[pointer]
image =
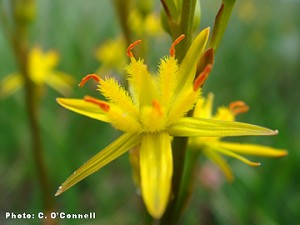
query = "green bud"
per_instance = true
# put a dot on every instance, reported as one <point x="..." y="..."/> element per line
<point x="24" y="11"/>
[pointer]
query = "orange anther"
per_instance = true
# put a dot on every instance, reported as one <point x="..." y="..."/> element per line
<point x="102" y="104"/>
<point x="87" y="77"/>
<point x="131" y="46"/>
<point x="238" y="107"/>
<point x="201" y="78"/>
<point x="156" y="105"/>
<point x="176" y="42"/>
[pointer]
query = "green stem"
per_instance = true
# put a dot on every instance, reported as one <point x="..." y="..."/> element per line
<point x="187" y="184"/>
<point x="186" y="28"/>
<point x="221" y="23"/>
<point x="19" y="42"/>
<point x="123" y="9"/>
<point x="179" y="144"/>
<point x="32" y="111"/>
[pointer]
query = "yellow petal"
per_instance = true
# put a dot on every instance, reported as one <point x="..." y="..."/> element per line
<point x="191" y="127"/>
<point x="41" y="64"/>
<point x="84" y="108"/>
<point x="10" y="84"/>
<point x="250" y="149"/>
<point x="122" y="120"/>
<point x="168" y="79"/>
<point x="156" y="172"/>
<point x="148" y="115"/>
<point x="224" y="113"/>
<point x="115" y="94"/>
<point x="182" y="104"/>
<point x="221" y="163"/>
<point x="111" y="55"/>
<point x="234" y="155"/>
<point x="141" y="83"/>
<point x="187" y="68"/>
<point x="203" y="108"/>
<point x="108" y="154"/>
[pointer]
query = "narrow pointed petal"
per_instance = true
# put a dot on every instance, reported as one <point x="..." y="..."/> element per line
<point x="156" y="172"/>
<point x="84" y="108"/>
<point x="220" y="162"/>
<point x="249" y="149"/>
<point x="183" y="103"/>
<point x="187" y="69"/>
<point x="108" y="154"/>
<point x="186" y="126"/>
<point x="236" y="156"/>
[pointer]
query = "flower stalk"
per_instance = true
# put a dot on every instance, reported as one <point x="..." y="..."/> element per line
<point x="182" y="187"/>
<point x="122" y="9"/>
<point x="23" y="13"/>
<point x="179" y="144"/>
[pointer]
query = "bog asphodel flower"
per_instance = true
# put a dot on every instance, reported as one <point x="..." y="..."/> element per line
<point x="213" y="147"/>
<point x="41" y="70"/>
<point x="110" y="56"/>
<point x="149" y="114"/>
<point x="148" y="25"/>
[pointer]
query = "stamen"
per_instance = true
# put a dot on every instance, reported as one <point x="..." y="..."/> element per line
<point x="87" y="77"/>
<point x="131" y="46"/>
<point x="201" y="78"/>
<point x="102" y="104"/>
<point x="156" y="105"/>
<point x="176" y="42"/>
<point x="238" y="107"/>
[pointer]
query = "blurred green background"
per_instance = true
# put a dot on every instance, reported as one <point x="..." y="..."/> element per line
<point x="258" y="62"/>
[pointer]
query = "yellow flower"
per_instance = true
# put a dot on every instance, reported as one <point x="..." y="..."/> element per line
<point x="149" y="114"/>
<point x="148" y="25"/>
<point x="110" y="56"/>
<point x="212" y="147"/>
<point x="41" y="70"/>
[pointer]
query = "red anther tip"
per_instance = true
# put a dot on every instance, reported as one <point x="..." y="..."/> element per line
<point x="103" y="105"/>
<point x="200" y="80"/>
<point x="131" y="46"/>
<point x="87" y="77"/>
<point x="156" y="105"/>
<point x="176" y="42"/>
<point x="238" y="107"/>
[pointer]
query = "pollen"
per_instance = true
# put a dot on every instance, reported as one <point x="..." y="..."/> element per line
<point x="131" y="46"/>
<point x="176" y="42"/>
<point x="88" y="77"/>
<point x="103" y="105"/>
<point x="238" y="107"/>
